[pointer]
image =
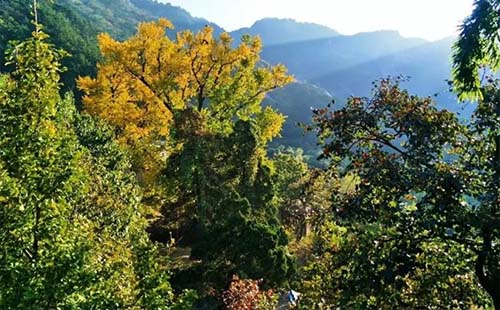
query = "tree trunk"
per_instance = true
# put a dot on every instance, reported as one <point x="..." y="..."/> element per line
<point x="496" y="302"/>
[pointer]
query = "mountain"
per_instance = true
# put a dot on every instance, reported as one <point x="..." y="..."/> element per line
<point x="315" y="58"/>
<point x="181" y="18"/>
<point x="342" y="66"/>
<point x="346" y="66"/>
<point x="68" y="28"/>
<point x="428" y="67"/>
<point x="120" y="17"/>
<point x="116" y="17"/>
<point x="275" y="31"/>
<point x="296" y="101"/>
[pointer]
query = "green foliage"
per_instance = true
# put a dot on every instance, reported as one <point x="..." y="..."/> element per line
<point x="416" y="194"/>
<point x="477" y="46"/>
<point x="302" y="194"/>
<point x="406" y="217"/>
<point x="68" y="30"/>
<point x="233" y="200"/>
<point x="74" y="235"/>
<point x="291" y="179"/>
<point x="186" y="301"/>
<point x="290" y="169"/>
<point x="45" y="252"/>
<point x="114" y="205"/>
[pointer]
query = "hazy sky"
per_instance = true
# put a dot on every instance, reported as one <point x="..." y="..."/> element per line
<point x="429" y="19"/>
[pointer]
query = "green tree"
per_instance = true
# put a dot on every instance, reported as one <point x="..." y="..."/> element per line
<point x="420" y="229"/>
<point x="113" y="203"/>
<point x="233" y="198"/>
<point x="302" y="193"/>
<point x="476" y="47"/>
<point x="72" y="227"/>
<point x="38" y="160"/>
<point x="290" y="168"/>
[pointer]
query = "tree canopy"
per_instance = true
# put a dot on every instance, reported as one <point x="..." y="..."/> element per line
<point x="149" y="84"/>
<point x="425" y="193"/>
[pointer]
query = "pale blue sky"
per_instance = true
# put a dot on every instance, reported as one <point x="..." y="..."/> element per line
<point x="429" y="19"/>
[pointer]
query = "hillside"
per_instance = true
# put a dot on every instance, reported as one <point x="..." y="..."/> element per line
<point x="119" y="17"/>
<point x="296" y="102"/>
<point x="69" y="29"/>
<point x="181" y="18"/>
<point x="346" y="66"/>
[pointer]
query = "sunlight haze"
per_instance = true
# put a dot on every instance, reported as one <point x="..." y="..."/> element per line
<point x="428" y="19"/>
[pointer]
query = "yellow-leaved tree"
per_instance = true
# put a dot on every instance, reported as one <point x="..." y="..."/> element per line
<point x="158" y="92"/>
<point x="191" y="111"/>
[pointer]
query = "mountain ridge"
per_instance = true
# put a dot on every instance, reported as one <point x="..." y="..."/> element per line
<point x="309" y="59"/>
<point x="436" y="52"/>
<point x="275" y="31"/>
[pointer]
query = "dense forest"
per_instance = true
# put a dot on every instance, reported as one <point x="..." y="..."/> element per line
<point x="141" y="166"/>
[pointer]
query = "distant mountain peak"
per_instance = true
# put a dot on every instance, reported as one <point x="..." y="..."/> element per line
<point x="285" y="30"/>
<point x="387" y="34"/>
<point x="276" y="21"/>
